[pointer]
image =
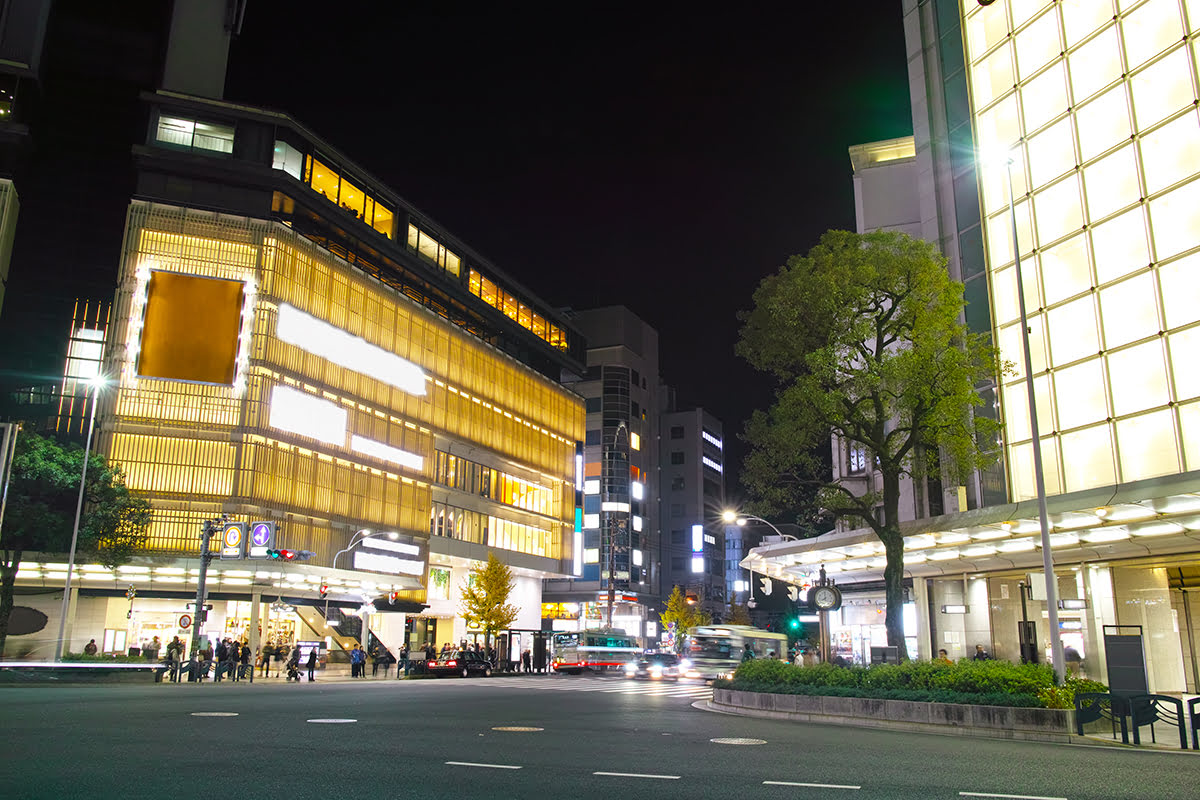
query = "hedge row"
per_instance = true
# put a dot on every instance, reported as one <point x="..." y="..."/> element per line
<point x="971" y="682"/>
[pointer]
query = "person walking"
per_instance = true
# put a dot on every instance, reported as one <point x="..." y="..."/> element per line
<point x="246" y="670"/>
<point x="402" y="665"/>
<point x="311" y="664"/>
<point x="222" y="654"/>
<point x="981" y="654"/>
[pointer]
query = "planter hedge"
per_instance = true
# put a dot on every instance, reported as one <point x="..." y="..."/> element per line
<point x="993" y="683"/>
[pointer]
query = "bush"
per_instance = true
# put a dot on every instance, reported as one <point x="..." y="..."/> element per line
<point x="1064" y="696"/>
<point x="106" y="659"/>
<point x="976" y="682"/>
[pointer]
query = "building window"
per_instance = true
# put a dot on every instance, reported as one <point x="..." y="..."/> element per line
<point x="677" y="457"/>
<point x="676" y="431"/>
<point x="495" y="296"/>
<point x="856" y="458"/>
<point x="678" y="484"/>
<point x="677" y="563"/>
<point x="195" y="134"/>
<point x="594" y="405"/>
<point x="337" y="189"/>
<point x="592" y="437"/>
<point x="677" y="537"/>
<point x="288" y="159"/>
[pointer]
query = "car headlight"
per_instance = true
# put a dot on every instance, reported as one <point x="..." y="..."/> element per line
<point x="631" y="667"/>
<point x="656" y="671"/>
<point x="685" y="664"/>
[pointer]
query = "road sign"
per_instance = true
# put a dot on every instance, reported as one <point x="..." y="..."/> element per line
<point x="262" y="538"/>
<point x="233" y="540"/>
<point x="185" y="621"/>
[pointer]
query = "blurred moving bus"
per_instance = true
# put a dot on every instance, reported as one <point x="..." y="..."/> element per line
<point x="599" y="649"/>
<point x="715" y="650"/>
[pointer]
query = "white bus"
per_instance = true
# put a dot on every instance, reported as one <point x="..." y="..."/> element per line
<point x="715" y="650"/>
<point x="599" y="649"/>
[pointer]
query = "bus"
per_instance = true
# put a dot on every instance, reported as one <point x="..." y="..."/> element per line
<point x="716" y="650"/>
<point x="599" y="649"/>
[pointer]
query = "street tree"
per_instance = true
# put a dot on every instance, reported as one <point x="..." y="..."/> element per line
<point x="739" y="614"/>
<point x="40" y="514"/>
<point x="485" y="598"/>
<point x="865" y="340"/>
<point x="683" y="614"/>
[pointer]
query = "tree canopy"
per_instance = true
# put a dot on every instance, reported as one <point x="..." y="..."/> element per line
<point x="485" y="597"/>
<point x="684" y="616"/>
<point x="865" y="339"/>
<point x="40" y="514"/>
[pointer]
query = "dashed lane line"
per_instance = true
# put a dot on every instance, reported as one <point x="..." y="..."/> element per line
<point x="484" y="766"/>
<point x="1009" y="796"/>
<point x="812" y="785"/>
<point x="638" y="775"/>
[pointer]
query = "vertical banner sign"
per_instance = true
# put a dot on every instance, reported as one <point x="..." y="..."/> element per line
<point x="233" y="540"/>
<point x="262" y="538"/>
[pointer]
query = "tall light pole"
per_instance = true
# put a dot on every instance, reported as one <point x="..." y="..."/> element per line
<point x="355" y="540"/>
<point x="94" y="384"/>
<point x="1056" y="649"/>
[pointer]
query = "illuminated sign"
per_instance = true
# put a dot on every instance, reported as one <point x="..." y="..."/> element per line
<point x="233" y="540"/>
<point x="405" y="555"/>
<point x="262" y="538"/>
<point x="370" y="447"/>
<point x="299" y="412"/>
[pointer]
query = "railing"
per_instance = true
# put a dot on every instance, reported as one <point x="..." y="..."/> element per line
<point x="1136" y="711"/>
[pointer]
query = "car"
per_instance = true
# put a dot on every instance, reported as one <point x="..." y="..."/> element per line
<point x="464" y="663"/>
<point x="657" y="667"/>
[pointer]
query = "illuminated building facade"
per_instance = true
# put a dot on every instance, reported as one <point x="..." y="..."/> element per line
<point x="1094" y="103"/>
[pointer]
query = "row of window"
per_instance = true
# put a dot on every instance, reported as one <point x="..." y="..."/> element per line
<point x="195" y="134"/>
<point x="342" y="192"/>
<point x="505" y="301"/>
<point x="472" y="526"/>
<point x="468" y="476"/>
<point x="432" y="250"/>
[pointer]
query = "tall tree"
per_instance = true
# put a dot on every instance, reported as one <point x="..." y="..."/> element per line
<point x="40" y="515"/>
<point x="683" y="614"/>
<point x="865" y="339"/>
<point x="485" y="598"/>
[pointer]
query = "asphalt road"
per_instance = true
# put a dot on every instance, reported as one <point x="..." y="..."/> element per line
<point x="598" y="738"/>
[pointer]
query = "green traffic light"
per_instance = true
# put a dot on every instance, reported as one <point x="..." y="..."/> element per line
<point x="794" y="624"/>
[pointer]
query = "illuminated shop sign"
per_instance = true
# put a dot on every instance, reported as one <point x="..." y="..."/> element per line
<point x="405" y="555"/>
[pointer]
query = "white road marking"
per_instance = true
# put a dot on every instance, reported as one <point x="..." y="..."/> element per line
<point x="485" y="766"/>
<point x="332" y="721"/>
<point x="214" y="713"/>
<point x="811" y="785"/>
<point x="638" y="775"/>
<point x="1009" y="796"/>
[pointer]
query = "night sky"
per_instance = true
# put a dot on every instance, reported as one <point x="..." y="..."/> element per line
<point x="660" y="157"/>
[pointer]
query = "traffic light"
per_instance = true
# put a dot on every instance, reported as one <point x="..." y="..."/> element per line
<point x="324" y="590"/>
<point x="290" y="555"/>
<point x="794" y="624"/>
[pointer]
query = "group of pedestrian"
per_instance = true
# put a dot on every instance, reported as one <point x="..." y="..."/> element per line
<point x="358" y="662"/>
<point x="233" y="659"/>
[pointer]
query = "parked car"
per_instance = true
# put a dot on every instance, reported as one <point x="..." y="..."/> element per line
<point x="657" y="667"/>
<point x="459" y="662"/>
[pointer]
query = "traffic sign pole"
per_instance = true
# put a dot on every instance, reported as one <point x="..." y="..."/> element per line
<point x="207" y="531"/>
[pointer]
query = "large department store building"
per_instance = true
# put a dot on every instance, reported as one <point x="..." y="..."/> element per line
<point x="290" y="341"/>
<point x="1096" y="104"/>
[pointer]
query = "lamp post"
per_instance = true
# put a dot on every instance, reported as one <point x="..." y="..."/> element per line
<point x="95" y="384"/>
<point x="1056" y="649"/>
<point x="365" y="534"/>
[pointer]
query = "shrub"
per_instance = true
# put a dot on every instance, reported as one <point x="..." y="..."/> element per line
<point x="1064" y="696"/>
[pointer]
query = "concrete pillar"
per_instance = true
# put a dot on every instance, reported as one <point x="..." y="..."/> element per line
<point x="255" y="606"/>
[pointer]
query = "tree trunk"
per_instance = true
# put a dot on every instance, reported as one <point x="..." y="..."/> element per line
<point x="893" y="581"/>
<point x="8" y="579"/>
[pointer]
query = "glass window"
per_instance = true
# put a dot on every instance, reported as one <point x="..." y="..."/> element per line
<point x="1011" y="349"/>
<point x="1021" y="467"/>
<point x="539" y="326"/>
<point x="1015" y="397"/>
<point x="1051" y="153"/>
<point x="414" y="236"/>
<point x="999" y="234"/>
<point x="1162" y="89"/>
<point x="1119" y="246"/>
<point x="452" y="263"/>
<point x="677" y="457"/>
<point x="1150" y="29"/>
<point x="1183" y="346"/>
<point x="1171" y="153"/>
<point x="1004" y="287"/>
<point x="474" y="282"/>
<point x="1000" y="129"/>
<point x="1080" y="20"/>
<point x="1175" y="220"/>
<point x="1045" y="97"/>
<point x="1073" y="331"/>
<point x="1038" y="44"/>
<point x="324" y="180"/>
<point x="1095" y="65"/>
<point x="175" y="130"/>
<point x="211" y="136"/>
<point x="1139" y="378"/>
<point x="1112" y="183"/>
<point x="1059" y="211"/>
<point x="985" y="28"/>
<point x="1180" y="292"/>
<point x="384" y="219"/>
<point x="676" y="431"/>
<point x="1104" y="122"/>
<point x="1189" y="423"/>
<point x="1147" y="446"/>
<point x="1129" y="311"/>
<point x="488" y="292"/>
<point x="993" y="77"/>
<point x="1079" y="394"/>
<point x="352" y="198"/>
<point x="524" y="316"/>
<point x="1088" y="458"/>
<point x="427" y="247"/>
<point x="288" y="159"/>
<point x="1065" y="270"/>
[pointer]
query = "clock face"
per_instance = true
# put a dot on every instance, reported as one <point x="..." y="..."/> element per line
<point x="825" y="597"/>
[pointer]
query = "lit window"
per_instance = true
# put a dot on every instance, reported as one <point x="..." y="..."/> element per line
<point x="711" y="439"/>
<point x="1162" y="89"/>
<point x="1171" y="153"/>
<point x="985" y="28"/>
<point x="637" y="523"/>
<point x="637" y="558"/>
<point x="697" y="538"/>
<point x="993" y="77"/>
<point x="1088" y="458"/>
<point x="1059" y="211"/>
<point x="1073" y="331"/>
<point x="635" y="441"/>
<point x="197" y="135"/>
<point x="698" y="564"/>
<point x="1038" y="44"/>
<point x="591" y="486"/>
<point x="613" y="505"/>
<point x="1175" y="220"/>
<point x="1065" y="271"/>
<point x="1139" y="378"/>
<point x="591" y="521"/>
<point x="1150" y="29"/>
<point x="1103" y="122"/>
<point x="1181" y="293"/>
<point x="1147" y="446"/>
<point x="710" y="463"/>
<point x="638" y="490"/>
<point x="1095" y="65"/>
<point x="591" y="555"/>
<point x="1081" y="20"/>
<point x="1129" y="311"/>
<point x="1112" y="183"/>
<point x="288" y="159"/>
<point x="1051" y="153"/>
<point x="1045" y="97"/>
<point x="1079" y="394"/>
<point x="1119" y="246"/>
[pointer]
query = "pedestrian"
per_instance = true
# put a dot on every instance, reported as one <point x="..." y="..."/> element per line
<point x="235" y="656"/>
<point x="981" y="654"/>
<point x="267" y="651"/>
<point x="402" y="665"/>
<point x="222" y="654"/>
<point x="150" y="651"/>
<point x="526" y="662"/>
<point x="90" y="648"/>
<point x="375" y="656"/>
<point x="311" y="663"/>
<point x="246" y="669"/>
<point x="747" y="653"/>
<point x="943" y="658"/>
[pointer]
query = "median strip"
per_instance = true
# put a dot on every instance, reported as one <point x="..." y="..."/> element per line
<point x="484" y="766"/>
<point x="1009" y="796"/>
<point x="638" y="775"/>
<point x="811" y="785"/>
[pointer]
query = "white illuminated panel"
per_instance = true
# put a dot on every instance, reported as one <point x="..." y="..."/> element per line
<point x="697" y="538"/>
<point x="377" y="562"/>
<point x="637" y="558"/>
<point x="698" y="564"/>
<point x="591" y="486"/>
<point x="591" y="555"/>
<point x="578" y="471"/>
<point x="708" y="437"/>
<point x="638" y="490"/>
<point x="578" y="551"/>
<point x="613" y="505"/>
<point x="395" y="455"/>
<point x="299" y="412"/>
<point x="637" y="523"/>
<point x="635" y="441"/>
<point x="346" y="350"/>
<point x="591" y="521"/>
<point x="395" y="547"/>
<point x="708" y="462"/>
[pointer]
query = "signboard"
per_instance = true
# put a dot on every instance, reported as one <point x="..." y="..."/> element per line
<point x="233" y="540"/>
<point x="404" y="555"/>
<point x="185" y="621"/>
<point x="262" y="538"/>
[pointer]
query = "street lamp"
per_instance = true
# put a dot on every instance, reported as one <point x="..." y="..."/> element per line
<point x="95" y="384"/>
<point x="359" y="537"/>
<point x="1056" y="649"/>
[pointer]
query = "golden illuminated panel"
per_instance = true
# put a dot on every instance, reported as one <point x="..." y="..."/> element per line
<point x="478" y="528"/>
<point x="510" y="306"/>
<point x="191" y="328"/>
<point x="1096" y="103"/>
<point x="163" y="465"/>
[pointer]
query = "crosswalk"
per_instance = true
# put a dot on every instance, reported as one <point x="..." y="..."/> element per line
<point x="611" y="685"/>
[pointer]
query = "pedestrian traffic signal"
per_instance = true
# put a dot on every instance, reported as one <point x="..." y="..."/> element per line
<point x="794" y="623"/>
<point x="324" y="589"/>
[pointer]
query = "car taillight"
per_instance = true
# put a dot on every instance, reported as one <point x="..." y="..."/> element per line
<point x="431" y="664"/>
<point x="451" y="663"/>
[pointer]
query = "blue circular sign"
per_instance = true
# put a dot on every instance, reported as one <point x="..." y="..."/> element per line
<point x="261" y="534"/>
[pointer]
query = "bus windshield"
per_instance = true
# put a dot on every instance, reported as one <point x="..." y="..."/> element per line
<point x="711" y="647"/>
